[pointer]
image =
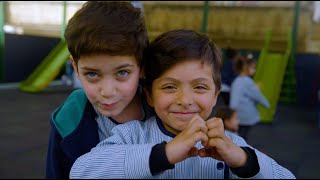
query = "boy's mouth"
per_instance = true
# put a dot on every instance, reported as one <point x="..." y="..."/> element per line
<point x="109" y="106"/>
<point x="184" y="114"/>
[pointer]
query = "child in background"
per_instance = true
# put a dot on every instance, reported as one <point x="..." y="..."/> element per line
<point x="182" y="84"/>
<point x="228" y="73"/>
<point x="245" y="96"/>
<point x="229" y="118"/>
<point x="106" y="41"/>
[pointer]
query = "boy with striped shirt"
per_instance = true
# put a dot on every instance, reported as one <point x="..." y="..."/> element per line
<point x="182" y="84"/>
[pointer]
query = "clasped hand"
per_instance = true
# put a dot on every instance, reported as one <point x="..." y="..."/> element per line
<point x="212" y="136"/>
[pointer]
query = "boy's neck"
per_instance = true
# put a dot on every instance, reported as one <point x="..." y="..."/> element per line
<point x="133" y="111"/>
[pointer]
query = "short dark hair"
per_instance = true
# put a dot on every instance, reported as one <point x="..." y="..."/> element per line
<point x="107" y="27"/>
<point x="225" y="112"/>
<point x="175" y="46"/>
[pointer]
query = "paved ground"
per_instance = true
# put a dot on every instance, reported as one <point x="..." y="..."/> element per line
<point x="293" y="138"/>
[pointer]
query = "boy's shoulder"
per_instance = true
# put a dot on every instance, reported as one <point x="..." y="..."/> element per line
<point x="136" y="125"/>
<point x="69" y="114"/>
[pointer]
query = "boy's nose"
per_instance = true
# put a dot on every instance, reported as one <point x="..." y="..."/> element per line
<point x="184" y="98"/>
<point x="108" y="89"/>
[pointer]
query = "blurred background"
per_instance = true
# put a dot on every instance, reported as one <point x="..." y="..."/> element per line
<point x="284" y="36"/>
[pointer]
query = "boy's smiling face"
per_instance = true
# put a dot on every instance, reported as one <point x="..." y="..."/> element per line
<point x="110" y="82"/>
<point x="185" y="90"/>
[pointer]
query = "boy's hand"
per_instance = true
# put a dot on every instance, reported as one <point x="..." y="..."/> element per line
<point x="182" y="146"/>
<point x="221" y="147"/>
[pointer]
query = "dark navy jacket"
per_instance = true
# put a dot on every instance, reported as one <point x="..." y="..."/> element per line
<point x="74" y="132"/>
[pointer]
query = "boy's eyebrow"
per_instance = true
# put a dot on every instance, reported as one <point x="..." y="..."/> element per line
<point x="95" y="69"/>
<point x="125" y="65"/>
<point x="173" y="79"/>
<point x="88" y="69"/>
<point x="201" y="79"/>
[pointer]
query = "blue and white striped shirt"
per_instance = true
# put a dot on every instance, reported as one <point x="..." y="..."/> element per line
<point x="125" y="154"/>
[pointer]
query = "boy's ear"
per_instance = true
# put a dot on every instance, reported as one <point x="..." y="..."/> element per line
<point x="216" y="98"/>
<point x="149" y="97"/>
<point x="74" y="65"/>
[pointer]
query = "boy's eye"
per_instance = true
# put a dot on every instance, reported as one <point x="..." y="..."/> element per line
<point x="168" y="87"/>
<point x="200" y="87"/>
<point x="91" y="74"/>
<point x="123" y="73"/>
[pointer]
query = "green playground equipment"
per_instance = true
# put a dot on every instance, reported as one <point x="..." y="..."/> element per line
<point x="51" y="66"/>
<point x="271" y="69"/>
<point x="48" y="69"/>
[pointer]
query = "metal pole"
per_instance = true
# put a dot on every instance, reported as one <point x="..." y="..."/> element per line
<point x="295" y="27"/>
<point x="63" y="25"/>
<point x="2" y="39"/>
<point x="205" y="16"/>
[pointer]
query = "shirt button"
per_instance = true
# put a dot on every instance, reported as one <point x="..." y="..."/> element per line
<point x="220" y="165"/>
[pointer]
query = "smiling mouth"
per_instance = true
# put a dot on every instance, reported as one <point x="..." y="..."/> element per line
<point x="184" y="114"/>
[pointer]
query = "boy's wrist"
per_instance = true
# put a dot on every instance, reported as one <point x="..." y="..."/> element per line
<point x="251" y="166"/>
<point x="158" y="161"/>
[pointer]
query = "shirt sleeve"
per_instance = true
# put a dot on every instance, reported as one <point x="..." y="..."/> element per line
<point x="256" y="94"/>
<point x="117" y="157"/>
<point x="251" y="167"/>
<point x="159" y="160"/>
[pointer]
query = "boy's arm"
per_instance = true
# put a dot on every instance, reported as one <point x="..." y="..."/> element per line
<point x="119" y="156"/>
<point x="64" y="120"/>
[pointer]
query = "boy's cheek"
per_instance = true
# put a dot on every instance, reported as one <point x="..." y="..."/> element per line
<point x="90" y="91"/>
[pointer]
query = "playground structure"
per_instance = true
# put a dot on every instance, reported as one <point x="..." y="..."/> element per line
<point x="47" y="71"/>
<point x="272" y="69"/>
<point x="270" y="75"/>
<point x="51" y="66"/>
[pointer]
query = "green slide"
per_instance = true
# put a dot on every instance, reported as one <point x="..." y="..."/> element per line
<point x="271" y="69"/>
<point x="48" y="69"/>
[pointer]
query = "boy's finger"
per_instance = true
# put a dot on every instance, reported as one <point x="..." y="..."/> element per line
<point x="214" y="123"/>
<point x="215" y="133"/>
<point x="203" y="153"/>
<point x="200" y="136"/>
<point x="215" y="142"/>
<point x="193" y="152"/>
<point x="209" y="152"/>
<point x="198" y="124"/>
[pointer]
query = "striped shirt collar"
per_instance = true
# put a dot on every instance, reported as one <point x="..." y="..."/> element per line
<point x="163" y="129"/>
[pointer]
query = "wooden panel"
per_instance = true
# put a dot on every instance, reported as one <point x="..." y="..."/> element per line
<point x="239" y="27"/>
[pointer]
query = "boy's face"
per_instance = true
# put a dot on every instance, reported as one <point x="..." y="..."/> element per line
<point x="181" y="92"/>
<point x="110" y="82"/>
